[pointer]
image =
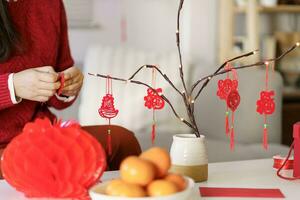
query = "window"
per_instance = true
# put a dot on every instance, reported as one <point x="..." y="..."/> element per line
<point x="79" y="12"/>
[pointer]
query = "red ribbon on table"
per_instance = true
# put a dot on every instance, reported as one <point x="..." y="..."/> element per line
<point x="62" y="83"/>
<point x="279" y="162"/>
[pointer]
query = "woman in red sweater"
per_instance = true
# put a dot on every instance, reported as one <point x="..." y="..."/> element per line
<point x="34" y="49"/>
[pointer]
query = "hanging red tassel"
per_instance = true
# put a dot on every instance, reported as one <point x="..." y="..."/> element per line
<point x="228" y="91"/>
<point x="227" y="123"/>
<point x="109" y="144"/>
<point x="154" y="101"/>
<point x="265" y="137"/>
<point x="225" y="88"/>
<point x="232" y="133"/>
<point x="153" y="135"/>
<point x="232" y="139"/>
<point x="266" y="106"/>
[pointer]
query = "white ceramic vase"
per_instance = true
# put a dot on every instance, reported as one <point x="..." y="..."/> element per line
<point x="189" y="156"/>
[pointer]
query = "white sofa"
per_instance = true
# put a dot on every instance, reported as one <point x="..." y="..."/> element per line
<point x="210" y="111"/>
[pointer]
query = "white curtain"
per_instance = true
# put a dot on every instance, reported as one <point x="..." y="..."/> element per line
<point x="79" y="12"/>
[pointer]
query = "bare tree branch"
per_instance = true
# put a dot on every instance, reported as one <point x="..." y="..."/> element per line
<point x="222" y="66"/>
<point x="148" y="86"/>
<point x="179" y="48"/>
<point x="260" y="63"/>
<point x="187" y="95"/>
<point x="160" y="72"/>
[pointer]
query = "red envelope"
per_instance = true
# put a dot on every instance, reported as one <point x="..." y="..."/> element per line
<point x="240" y="192"/>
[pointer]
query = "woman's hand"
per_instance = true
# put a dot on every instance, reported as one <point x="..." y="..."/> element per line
<point x="73" y="81"/>
<point x="37" y="84"/>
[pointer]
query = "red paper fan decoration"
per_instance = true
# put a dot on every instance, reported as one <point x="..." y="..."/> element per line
<point x="50" y="161"/>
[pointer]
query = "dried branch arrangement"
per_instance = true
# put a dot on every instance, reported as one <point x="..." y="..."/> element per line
<point x="190" y="95"/>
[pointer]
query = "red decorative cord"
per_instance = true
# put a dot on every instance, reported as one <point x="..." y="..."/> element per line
<point x="285" y="163"/>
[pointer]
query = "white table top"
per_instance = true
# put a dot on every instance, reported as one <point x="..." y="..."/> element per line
<point x="242" y="174"/>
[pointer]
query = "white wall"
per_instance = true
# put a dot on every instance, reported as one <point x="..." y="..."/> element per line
<point x="152" y="26"/>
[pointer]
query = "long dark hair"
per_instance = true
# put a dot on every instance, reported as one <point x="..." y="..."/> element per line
<point x="9" y="37"/>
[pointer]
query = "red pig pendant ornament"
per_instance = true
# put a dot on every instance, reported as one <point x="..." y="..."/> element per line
<point x="108" y="111"/>
<point x="53" y="161"/>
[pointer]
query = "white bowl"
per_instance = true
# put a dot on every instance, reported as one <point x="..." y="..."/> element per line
<point x="183" y="195"/>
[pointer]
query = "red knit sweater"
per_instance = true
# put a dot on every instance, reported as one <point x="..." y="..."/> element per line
<point x="43" y="29"/>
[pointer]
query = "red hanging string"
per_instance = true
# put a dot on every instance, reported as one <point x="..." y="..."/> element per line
<point x="123" y="29"/>
<point x="284" y="164"/>
<point x="62" y="83"/>
<point x="107" y="110"/>
<point x="109" y="142"/>
<point x="265" y="139"/>
<point x="232" y="133"/>
<point x="227" y="122"/>
<point x="227" y="129"/>
<point x="123" y="23"/>
<point x="153" y="133"/>
<point x="267" y="75"/>
<point x="265" y="134"/>
<point x="228" y="67"/>
<point x="234" y="74"/>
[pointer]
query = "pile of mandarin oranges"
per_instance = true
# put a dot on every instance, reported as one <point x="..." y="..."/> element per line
<point x="146" y="175"/>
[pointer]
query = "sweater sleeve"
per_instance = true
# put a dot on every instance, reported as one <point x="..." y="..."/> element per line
<point x="64" y="58"/>
<point x="5" y="100"/>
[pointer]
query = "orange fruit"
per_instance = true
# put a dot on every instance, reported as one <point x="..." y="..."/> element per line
<point x="161" y="188"/>
<point x="160" y="158"/>
<point x="122" y="189"/>
<point x="137" y="171"/>
<point x="178" y="180"/>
